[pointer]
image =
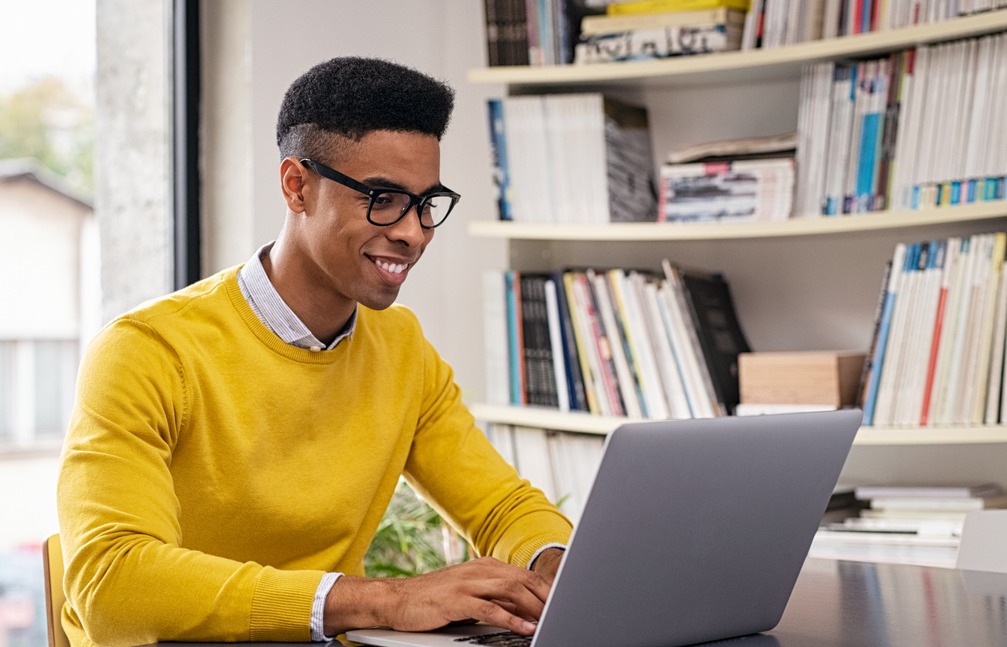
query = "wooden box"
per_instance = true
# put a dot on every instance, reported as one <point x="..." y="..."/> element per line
<point x="825" y="378"/>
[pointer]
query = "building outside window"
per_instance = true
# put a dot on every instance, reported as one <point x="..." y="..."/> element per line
<point x="49" y="295"/>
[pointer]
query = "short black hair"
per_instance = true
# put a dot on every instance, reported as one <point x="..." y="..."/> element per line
<point x="353" y="96"/>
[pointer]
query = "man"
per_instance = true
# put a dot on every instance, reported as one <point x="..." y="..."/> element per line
<point x="235" y="444"/>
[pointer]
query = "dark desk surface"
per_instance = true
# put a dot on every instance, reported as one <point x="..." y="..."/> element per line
<point x="851" y="604"/>
<point x="847" y="604"/>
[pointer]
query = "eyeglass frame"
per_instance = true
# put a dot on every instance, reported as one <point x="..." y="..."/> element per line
<point x="418" y="201"/>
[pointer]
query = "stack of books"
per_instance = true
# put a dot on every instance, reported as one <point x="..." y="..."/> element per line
<point x="581" y="158"/>
<point x="749" y="178"/>
<point x="937" y="358"/>
<point x="648" y="30"/>
<point x="614" y="342"/>
<point x="741" y="190"/>
<point x="922" y="510"/>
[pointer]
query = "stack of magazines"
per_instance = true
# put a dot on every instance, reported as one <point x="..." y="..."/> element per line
<point x="736" y="180"/>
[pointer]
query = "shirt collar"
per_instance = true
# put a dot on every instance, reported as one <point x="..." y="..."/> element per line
<point x="275" y="314"/>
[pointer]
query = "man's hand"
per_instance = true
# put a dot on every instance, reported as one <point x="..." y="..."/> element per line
<point x="484" y="589"/>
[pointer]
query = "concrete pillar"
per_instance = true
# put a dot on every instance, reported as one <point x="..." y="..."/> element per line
<point x="133" y="200"/>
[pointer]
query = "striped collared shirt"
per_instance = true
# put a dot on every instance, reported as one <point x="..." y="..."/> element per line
<point x="268" y="306"/>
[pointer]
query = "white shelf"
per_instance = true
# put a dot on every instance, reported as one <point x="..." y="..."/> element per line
<point x="741" y="66"/>
<point x="868" y="436"/>
<point x="640" y="231"/>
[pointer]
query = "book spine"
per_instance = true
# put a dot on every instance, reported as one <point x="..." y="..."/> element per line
<point x="879" y="307"/>
<point x="498" y="151"/>
<point x="575" y="381"/>
<point x="881" y="348"/>
<point x="515" y="343"/>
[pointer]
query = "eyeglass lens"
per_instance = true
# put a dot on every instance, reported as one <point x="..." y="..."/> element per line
<point x="388" y="207"/>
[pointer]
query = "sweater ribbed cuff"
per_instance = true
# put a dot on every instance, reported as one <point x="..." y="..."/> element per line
<point x="281" y="605"/>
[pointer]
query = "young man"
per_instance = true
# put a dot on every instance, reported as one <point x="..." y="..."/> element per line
<point x="235" y="444"/>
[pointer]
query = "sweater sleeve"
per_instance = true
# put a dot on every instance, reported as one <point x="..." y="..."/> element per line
<point x="455" y="468"/>
<point x="128" y="578"/>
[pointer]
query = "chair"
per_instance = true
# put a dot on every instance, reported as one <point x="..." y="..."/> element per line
<point x="52" y="565"/>
<point x="983" y="545"/>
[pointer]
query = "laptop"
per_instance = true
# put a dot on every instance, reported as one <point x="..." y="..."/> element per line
<point x="693" y="531"/>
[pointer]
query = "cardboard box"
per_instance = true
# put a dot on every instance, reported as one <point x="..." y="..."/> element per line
<point x="824" y="378"/>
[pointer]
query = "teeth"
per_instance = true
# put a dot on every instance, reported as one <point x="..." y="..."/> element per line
<point x="394" y="268"/>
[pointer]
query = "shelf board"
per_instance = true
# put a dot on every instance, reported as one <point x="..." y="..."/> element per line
<point x="742" y="66"/>
<point x="868" y="436"/>
<point x="641" y="231"/>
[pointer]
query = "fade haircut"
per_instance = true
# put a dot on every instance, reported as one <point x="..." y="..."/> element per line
<point x="353" y="96"/>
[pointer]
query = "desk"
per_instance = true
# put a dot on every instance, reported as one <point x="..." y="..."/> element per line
<point x="863" y="604"/>
<point x="848" y="604"/>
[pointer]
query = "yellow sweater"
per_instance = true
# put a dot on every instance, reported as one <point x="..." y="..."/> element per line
<point x="212" y="473"/>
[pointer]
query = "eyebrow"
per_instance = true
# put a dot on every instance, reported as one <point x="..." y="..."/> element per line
<point x="386" y="183"/>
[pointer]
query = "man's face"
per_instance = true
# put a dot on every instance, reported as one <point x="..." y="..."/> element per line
<point x="348" y="257"/>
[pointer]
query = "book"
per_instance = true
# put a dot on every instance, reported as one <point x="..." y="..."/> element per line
<point x="590" y="369"/>
<point x="736" y="148"/>
<point x="939" y="503"/>
<point x="539" y="375"/>
<point x="936" y="337"/>
<point x="495" y="337"/>
<point x="557" y="345"/>
<point x="883" y="331"/>
<point x="506" y="24"/>
<point x="515" y="343"/>
<point x="575" y="381"/>
<point x="498" y="153"/>
<point x="960" y="490"/>
<point x="660" y="6"/>
<point x="867" y="369"/>
<point x="918" y="526"/>
<point x="654" y="43"/>
<point x="614" y="23"/>
<point x="721" y="339"/>
<point x="996" y="373"/>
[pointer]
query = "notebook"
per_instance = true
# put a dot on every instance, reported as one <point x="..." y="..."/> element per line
<point x="694" y="530"/>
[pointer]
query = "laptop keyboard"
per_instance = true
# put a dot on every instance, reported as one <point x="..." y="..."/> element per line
<point x="499" y="639"/>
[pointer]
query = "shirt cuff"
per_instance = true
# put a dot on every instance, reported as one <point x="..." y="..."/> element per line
<point x="531" y="562"/>
<point x="318" y="607"/>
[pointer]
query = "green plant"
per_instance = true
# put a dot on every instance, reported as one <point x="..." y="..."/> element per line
<point x="412" y="539"/>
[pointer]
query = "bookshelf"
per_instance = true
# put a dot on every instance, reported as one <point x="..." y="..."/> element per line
<point x="731" y="67"/>
<point x="799" y="284"/>
<point x="903" y="221"/>
<point x="584" y="423"/>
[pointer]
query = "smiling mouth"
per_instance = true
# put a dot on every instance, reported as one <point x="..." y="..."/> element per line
<point x="392" y="268"/>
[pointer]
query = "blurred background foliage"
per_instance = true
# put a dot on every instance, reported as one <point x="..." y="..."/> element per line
<point x="412" y="539"/>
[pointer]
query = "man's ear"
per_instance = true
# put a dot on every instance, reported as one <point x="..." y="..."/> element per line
<point x="292" y="178"/>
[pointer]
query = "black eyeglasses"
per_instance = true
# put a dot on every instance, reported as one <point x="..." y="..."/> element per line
<point x="388" y="206"/>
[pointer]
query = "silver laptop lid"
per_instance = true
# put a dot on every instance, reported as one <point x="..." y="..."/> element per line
<point x="696" y="530"/>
